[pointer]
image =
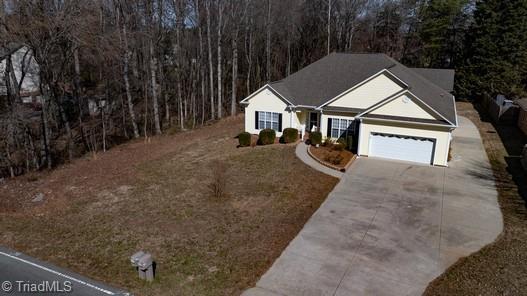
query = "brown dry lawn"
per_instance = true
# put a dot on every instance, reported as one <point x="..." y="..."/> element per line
<point x="155" y="196"/>
<point x="501" y="267"/>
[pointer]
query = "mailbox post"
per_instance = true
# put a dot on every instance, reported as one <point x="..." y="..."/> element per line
<point x="144" y="264"/>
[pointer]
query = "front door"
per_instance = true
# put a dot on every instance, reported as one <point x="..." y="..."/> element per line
<point x="313" y="121"/>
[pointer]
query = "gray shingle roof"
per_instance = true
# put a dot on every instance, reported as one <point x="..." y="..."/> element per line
<point x="522" y="103"/>
<point x="8" y="49"/>
<point x="330" y="76"/>
<point x="434" y="96"/>
<point x="443" y="78"/>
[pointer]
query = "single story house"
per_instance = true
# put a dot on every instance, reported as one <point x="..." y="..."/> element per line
<point x="389" y="110"/>
<point x="26" y="72"/>
<point x="522" y="117"/>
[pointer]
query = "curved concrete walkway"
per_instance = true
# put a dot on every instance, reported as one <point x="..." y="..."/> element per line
<point x="389" y="228"/>
<point x="301" y="152"/>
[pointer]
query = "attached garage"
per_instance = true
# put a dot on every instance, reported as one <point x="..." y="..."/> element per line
<point x="401" y="147"/>
<point x="404" y="141"/>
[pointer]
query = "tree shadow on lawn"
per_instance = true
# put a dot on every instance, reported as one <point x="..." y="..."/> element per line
<point x="513" y="140"/>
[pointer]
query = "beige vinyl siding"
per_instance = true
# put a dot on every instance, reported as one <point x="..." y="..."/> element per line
<point x="267" y="101"/>
<point x="300" y="119"/>
<point x="404" y="106"/>
<point x="442" y="136"/>
<point x="368" y="94"/>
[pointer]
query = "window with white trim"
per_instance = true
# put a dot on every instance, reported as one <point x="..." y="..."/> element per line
<point x="268" y="120"/>
<point x="339" y="127"/>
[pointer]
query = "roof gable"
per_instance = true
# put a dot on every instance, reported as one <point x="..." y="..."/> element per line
<point x="330" y="76"/>
<point x="405" y="105"/>
<point x="430" y="94"/>
<point x="268" y="88"/>
<point x="372" y="91"/>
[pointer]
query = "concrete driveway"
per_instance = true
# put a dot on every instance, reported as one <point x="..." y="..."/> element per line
<point x="389" y="228"/>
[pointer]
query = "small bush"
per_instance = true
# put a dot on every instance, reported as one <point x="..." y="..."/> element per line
<point x="266" y="136"/>
<point x="244" y="138"/>
<point x="315" y="138"/>
<point x="334" y="158"/>
<point x="328" y="143"/>
<point x="343" y="142"/>
<point x="218" y="184"/>
<point x="289" y="135"/>
<point x="338" y="147"/>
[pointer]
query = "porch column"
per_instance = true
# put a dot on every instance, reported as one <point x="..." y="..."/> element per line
<point x="292" y="112"/>
<point x="359" y="137"/>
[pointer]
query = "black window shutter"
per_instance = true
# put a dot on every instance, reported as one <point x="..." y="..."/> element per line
<point x="255" y="119"/>
<point x="279" y="122"/>
<point x="329" y="127"/>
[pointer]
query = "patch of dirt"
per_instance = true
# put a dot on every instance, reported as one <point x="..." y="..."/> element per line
<point x="155" y="196"/>
<point x="499" y="268"/>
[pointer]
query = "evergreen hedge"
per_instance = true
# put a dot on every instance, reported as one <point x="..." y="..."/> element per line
<point x="244" y="138"/>
<point x="266" y="136"/>
<point x="289" y="135"/>
<point x="315" y="138"/>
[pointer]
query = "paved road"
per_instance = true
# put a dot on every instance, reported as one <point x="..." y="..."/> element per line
<point x="21" y="275"/>
<point x="389" y="228"/>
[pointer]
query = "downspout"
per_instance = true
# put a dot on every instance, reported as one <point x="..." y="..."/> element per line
<point x="448" y="148"/>
<point x="360" y="132"/>
<point x="320" y="129"/>
<point x="291" y="112"/>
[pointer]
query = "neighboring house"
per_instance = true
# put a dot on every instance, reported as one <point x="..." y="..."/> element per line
<point x="96" y="104"/>
<point x="522" y="117"/>
<point x="501" y="109"/>
<point x="390" y="111"/>
<point x="26" y="72"/>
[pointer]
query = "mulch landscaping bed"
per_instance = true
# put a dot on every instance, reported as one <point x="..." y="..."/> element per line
<point x="328" y="155"/>
<point x="499" y="268"/>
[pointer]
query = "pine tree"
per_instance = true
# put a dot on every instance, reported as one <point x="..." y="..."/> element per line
<point x="496" y="55"/>
<point x="443" y="24"/>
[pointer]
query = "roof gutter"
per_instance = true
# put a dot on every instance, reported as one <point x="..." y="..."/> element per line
<point x="451" y="127"/>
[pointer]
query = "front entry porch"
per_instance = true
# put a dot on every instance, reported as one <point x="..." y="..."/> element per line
<point x="332" y="125"/>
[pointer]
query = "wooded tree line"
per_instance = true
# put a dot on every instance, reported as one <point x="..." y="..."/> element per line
<point x="158" y="66"/>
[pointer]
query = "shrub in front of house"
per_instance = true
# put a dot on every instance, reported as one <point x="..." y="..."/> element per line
<point x="266" y="136"/>
<point x="244" y="138"/>
<point x="315" y="138"/>
<point x="328" y="143"/>
<point x="289" y="135"/>
<point x="334" y="158"/>
<point x="340" y="145"/>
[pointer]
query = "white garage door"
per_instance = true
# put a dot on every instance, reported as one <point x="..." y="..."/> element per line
<point x="401" y="147"/>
